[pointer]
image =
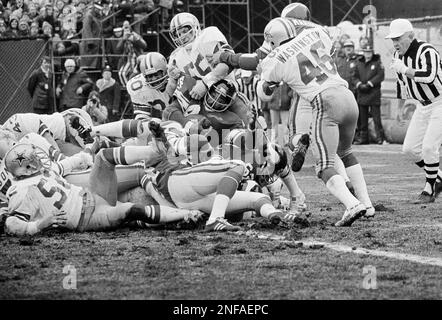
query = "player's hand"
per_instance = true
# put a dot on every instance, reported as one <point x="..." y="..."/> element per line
<point x="57" y="218"/>
<point x="216" y="58"/>
<point x="173" y="71"/>
<point x="199" y="90"/>
<point x="79" y="90"/>
<point x="398" y="66"/>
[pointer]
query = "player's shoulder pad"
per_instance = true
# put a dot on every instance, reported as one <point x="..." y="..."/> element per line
<point x="212" y="34"/>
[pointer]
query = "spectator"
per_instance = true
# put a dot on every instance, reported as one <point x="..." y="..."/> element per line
<point x="94" y="108"/>
<point x="110" y="93"/>
<point x="347" y="64"/>
<point x="107" y="21"/>
<point x="337" y="50"/>
<point x="369" y="74"/>
<point x="47" y="29"/>
<point x="34" y="30"/>
<point x="113" y="49"/>
<point x="40" y="88"/>
<point x="23" y="28"/>
<point x="131" y="45"/>
<point x="12" y="31"/>
<point x="3" y="32"/>
<point x="74" y="87"/>
<point x="68" y="19"/>
<point x="138" y="9"/>
<point x="32" y="13"/>
<point x="91" y="30"/>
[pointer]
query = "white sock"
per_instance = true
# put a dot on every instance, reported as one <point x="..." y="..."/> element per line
<point x="219" y="207"/>
<point x="292" y="185"/>
<point x="336" y="185"/>
<point x="266" y="210"/>
<point x="340" y="168"/>
<point x="168" y="214"/>
<point x="357" y="179"/>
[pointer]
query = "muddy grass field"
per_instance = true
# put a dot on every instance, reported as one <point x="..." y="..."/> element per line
<point x="396" y="255"/>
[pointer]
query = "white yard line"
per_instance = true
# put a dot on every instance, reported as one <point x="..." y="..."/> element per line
<point x="433" y="261"/>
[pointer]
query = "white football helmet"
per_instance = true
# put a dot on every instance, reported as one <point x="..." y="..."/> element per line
<point x="279" y="30"/>
<point x="78" y="126"/>
<point x="220" y="96"/>
<point x="26" y="159"/>
<point x="184" y="20"/>
<point x="296" y="10"/>
<point x="7" y="140"/>
<point x="153" y="66"/>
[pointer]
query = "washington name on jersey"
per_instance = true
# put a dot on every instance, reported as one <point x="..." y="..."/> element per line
<point x="304" y="63"/>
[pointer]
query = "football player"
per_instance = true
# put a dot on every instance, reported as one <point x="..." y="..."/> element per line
<point x="150" y="91"/>
<point x="68" y="131"/>
<point x="300" y="116"/>
<point x="301" y="58"/>
<point x="42" y="199"/>
<point x="193" y="57"/>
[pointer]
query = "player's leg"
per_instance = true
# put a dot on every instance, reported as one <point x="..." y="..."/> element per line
<point x="107" y="217"/>
<point x="327" y="110"/>
<point x="352" y="166"/>
<point x="413" y="142"/>
<point x="430" y="149"/>
<point x="103" y="178"/>
<point x="119" y="129"/>
<point x="300" y="141"/>
<point x="187" y="186"/>
<point x="246" y="201"/>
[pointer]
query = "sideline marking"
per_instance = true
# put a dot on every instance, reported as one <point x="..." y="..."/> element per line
<point x="433" y="261"/>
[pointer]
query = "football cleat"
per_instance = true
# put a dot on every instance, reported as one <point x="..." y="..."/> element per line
<point x="351" y="215"/>
<point x="299" y="151"/>
<point x="370" y="212"/>
<point x="424" y="197"/>
<point x="437" y="189"/>
<point x="220" y="224"/>
<point x="275" y="217"/>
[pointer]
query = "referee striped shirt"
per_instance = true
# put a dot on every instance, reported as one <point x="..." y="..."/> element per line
<point x="427" y="83"/>
<point x="249" y="90"/>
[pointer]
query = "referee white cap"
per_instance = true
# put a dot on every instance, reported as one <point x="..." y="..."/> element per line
<point x="398" y="27"/>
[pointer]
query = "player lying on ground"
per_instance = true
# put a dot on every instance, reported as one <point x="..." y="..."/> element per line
<point x="207" y="186"/>
<point x="42" y="199"/>
<point x="68" y="131"/>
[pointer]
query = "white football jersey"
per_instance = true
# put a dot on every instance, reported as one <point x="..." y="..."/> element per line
<point x="304" y="63"/>
<point x="7" y="180"/>
<point x="38" y="196"/>
<point x="144" y="99"/>
<point x="196" y="62"/>
<point x="24" y="123"/>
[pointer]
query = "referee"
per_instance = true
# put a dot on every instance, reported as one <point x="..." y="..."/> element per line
<point x="419" y="70"/>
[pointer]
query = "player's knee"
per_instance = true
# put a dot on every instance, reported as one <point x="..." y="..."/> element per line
<point x="326" y="173"/>
<point x="231" y="180"/>
<point x="349" y="160"/>
<point x="430" y="153"/>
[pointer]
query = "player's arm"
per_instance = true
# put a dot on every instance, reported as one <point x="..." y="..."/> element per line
<point x="246" y="61"/>
<point x="17" y="225"/>
<point x="430" y="62"/>
<point x="44" y="131"/>
<point x="78" y="162"/>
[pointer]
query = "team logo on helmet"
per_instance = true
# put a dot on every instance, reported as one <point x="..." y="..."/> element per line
<point x="153" y="66"/>
<point x="184" y="28"/>
<point x="26" y="159"/>
<point x="220" y="96"/>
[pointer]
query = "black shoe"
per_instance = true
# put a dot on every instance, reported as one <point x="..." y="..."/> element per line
<point x="299" y="151"/>
<point x="424" y="198"/>
<point x="437" y="189"/>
